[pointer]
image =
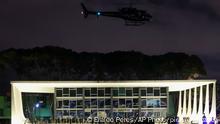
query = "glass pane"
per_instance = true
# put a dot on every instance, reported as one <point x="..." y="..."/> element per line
<point x="156" y="92"/>
<point x="143" y="103"/>
<point x="87" y="104"/>
<point x="164" y="102"/>
<point x="101" y="103"/>
<point x="107" y="91"/>
<point x="72" y="92"/>
<point x="121" y="103"/>
<point x="121" y="91"/>
<point x="72" y="104"/>
<point x="59" y="93"/>
<point x="66" y="103"/>
<point x="107" y="101"/>
<point x="94" y="91"/>
<point x="115" y="103"/>
<point x="129" y="103"/>
<point x="143" y="92"/>
<point x="79" y="90"/>
<point x="128" y="92"/>
<point x="135" y="91"/>
<point x="101" y="93"/>
<point x="115" y="92"/>
<point x="87" y="93"/>
<point x="65" y="90"/>
<point x="79" y="103"/>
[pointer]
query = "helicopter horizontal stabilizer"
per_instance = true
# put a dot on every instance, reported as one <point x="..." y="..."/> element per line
<point x="85" y="11"/>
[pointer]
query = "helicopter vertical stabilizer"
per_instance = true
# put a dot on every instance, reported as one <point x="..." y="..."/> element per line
<point x="85" y="11"/>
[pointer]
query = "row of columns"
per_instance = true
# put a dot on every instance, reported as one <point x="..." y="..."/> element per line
<point x="190" y="112"/>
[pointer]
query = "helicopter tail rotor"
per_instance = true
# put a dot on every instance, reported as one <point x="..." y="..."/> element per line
<point x="85" y="11"/>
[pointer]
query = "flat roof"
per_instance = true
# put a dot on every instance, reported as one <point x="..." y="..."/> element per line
<point x="174" y="85"/>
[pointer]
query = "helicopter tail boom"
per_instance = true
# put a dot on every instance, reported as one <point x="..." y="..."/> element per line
<point x="85" y="12"/>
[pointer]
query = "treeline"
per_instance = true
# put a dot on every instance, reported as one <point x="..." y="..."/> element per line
<point x="55" y="63"/>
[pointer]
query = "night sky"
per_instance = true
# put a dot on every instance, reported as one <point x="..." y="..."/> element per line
<point x="190" y="26"/>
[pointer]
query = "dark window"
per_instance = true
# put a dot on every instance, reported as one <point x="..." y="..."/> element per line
<point x="149" y="90"/>
<point x="101" y="93"/>
<point x="94" y="102"/>
<point x="107" y="91"/>
<point x="101" y="103"/>
<point x="59" y="93"/>
<point x="66" y="91"/>
<point x="72" y="104"/>
<point x="121" y="91"/>
<point x="72" y="92"/>
<point x="143" y="92"/>
<point x="143" y="103"/>
<point x="79" y="103"/>
<point x="107" y="101"/>
<point x="79" y="91"/>
<point x="66" y="103"/>
<point x="94" y="91"/>
<point x="87" y="93"/>
<point x="163" y="90"/>
<point x="129" y="103"/>
<point x="59" y="104"/>
<point x="121" y="103"/>
<point x="135" y="102"/>
<point x="156" y="92"/>
<point x="87" y="104"/>
<point x="66" y="113"/>
<point x="128" y="92"/>
<point x="135" y="91"/>
<point x="115" y="103"/>
<point x="115" y="92"/>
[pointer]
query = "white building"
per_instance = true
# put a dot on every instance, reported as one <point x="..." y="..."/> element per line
<point x="121" y="98"/>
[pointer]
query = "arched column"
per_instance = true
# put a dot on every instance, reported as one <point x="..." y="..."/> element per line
<point x="206" y="111"/>
<point x="179" y="113"/>
<point x="189" y="109"/>
<point x="194" y="111"/>
<point x="184" y="104"/>
<point x="200" y="111"/>
<point x="213" y="108"/>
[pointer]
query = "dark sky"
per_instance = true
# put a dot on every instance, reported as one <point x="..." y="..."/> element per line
<point x="190" y="26"/>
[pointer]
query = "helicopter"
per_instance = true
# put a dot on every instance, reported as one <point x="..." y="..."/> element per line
<point x="131" y="16"/>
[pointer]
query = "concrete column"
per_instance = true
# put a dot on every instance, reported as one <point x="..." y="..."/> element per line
<point x="213" y="109"/>
<point x="189" y="110"/>
<point x="206" y="111"/>
<point x="179" y="113"/>
<point x="194" y="112"/>
<point x="200" y="111"/>
<point x="184" y="104"/>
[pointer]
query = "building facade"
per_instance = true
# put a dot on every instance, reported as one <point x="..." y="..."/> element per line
<point x="89" y="100"/>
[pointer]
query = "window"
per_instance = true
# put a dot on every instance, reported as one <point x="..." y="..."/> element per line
<point x="87" y="103"/>
<point x="128" y="92"/>
<point x="163" y="91"/>
<point x="143" y="92"/>
<point x="93" y="91"/>
<point x="72" y="104"/>
<point x="163" y="102"/>
<point x="143" y="103"/>
<point x="149" y="91"/>
<point x="66" y="91"/>
<point x="59" y="104"/>
<point x="94" y="102"/>
<point x="65" y="103"/>
<point x="72" y="92"/>
<point x="59" y="92"/>
<point x="115" y="103"/>
<point x="101" y="103"/>
<point x="87" y="93"/>
<point x="79" y="91"/>
<point x="115" y="91"/>
<point x="121" y="91"/>
<point x="135" y="103"/>
<point x="79" y="103"/>
<point x="136" y="91"/>
<point x="121" y="103"/>
<point x="107" y="91"/>
<point x="129" y="103"/>
<point x="107" y="102"/>
<point x="101" y="93"/>
<point x="156" y="92"/>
